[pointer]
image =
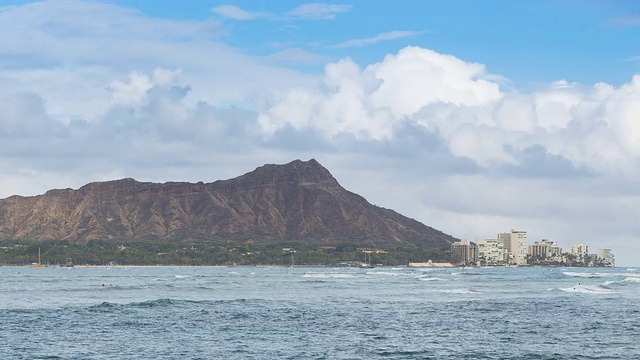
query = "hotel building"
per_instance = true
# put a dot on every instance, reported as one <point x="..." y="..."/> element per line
<point x="515" y="247"/>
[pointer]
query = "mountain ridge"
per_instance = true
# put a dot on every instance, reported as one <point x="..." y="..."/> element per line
<point x="298" y="201"/>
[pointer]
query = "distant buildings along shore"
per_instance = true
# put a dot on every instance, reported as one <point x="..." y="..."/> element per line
<point x="511" y="249"/>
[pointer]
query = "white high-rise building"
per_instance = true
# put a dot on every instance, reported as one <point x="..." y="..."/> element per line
<point x="579" y="253"/>
<point x="607" y="258"/>
<point x="515" y="245"/>
<point x="490" y="251"/>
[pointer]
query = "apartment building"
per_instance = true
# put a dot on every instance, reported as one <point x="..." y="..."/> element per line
<point x="515" y="247"/>
<point x="490" y="252"/>
<point x="545" y="251"/>
<point x="606" y="258"/>
<point x="464" y="253"/>
<point x="579" y="253"/>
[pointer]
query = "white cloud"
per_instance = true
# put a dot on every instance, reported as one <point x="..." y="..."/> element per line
<point x="310" y="11"/>
<point x="471" y="114"/>
<point x="72" y="60"/>
<point x="318" y="11"/>
<point x="419" y="77"/>
<point x="391" y="35"/>
<point x="135" y="91"/>
<point x="297" y="56"/>
<point x="372" y="101"/>
<point x="236" y="13"/>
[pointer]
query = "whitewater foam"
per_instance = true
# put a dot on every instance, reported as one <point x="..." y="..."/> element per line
<point x="383" y="273"/>
<point x="327" y="275"/>
<point x="588" y="289"/>
<point x="424" y="278"/>
<point x="582" y="274"/>
<point x="600" y="274"/>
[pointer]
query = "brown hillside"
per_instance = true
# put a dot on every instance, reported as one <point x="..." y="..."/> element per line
<point x="296" y="201"/>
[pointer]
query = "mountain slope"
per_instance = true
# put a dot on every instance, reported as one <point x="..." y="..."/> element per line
<point x="296" y="201"/>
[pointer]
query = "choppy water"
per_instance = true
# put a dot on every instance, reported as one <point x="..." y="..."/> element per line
<point x="320" y="313"/>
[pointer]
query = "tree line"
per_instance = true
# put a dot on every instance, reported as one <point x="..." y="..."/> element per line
<point x="208" y="253"/>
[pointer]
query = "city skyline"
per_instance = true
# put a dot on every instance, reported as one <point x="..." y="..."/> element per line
<point x="513" y="249"/>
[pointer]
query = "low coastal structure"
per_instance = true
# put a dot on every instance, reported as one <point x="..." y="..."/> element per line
<point x="430" y="264"/>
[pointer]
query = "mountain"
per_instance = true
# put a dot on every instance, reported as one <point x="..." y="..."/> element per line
<point x="297" y="201"/>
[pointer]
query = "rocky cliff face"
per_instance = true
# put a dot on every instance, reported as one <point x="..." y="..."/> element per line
<point x="296" y="201"/>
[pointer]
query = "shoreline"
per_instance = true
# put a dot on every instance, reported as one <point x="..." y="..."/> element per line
<point x="31" y="266"/>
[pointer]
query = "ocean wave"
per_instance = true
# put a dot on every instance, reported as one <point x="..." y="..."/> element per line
<point x="635" y="276"/>
<point x="458" y="291"/>
<point x="107" y="306"/>
<point x="327" y="275"/>
<point x="383" y="273"/>
<point x="426" y="278"/>
<point x="613" y="282"/>
<point x="600" y="274"/>
<point x="589" y="289"/>
<point x="429" y="269"/>
<point x="583" y="274"/>
<point x="624" y="282"/>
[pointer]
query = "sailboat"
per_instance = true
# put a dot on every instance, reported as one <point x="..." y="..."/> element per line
<point x="38" y="264"/>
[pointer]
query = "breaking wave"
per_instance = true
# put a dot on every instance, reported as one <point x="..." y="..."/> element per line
<point x="327" y="275"/>
<point x="589" y="289"/>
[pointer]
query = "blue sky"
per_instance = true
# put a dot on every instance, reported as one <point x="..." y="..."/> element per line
<point x="528" y="42"/>
<point x="474" y="117"/>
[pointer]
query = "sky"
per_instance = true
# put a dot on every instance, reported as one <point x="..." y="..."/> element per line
<point x="473" y="117"/>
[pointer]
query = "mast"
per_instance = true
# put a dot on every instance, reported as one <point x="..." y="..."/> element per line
<point x="39" y="263"/>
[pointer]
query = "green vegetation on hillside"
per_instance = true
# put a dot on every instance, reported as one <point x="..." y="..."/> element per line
<point x="132" y="252"/>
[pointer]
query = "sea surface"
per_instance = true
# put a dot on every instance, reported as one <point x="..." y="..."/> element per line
<point x="319" y="313"/>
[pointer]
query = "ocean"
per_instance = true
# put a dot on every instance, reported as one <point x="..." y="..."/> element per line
<point x="319" y="313"/>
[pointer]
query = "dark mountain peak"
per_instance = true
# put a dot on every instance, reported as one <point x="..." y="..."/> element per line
<point x="297" y="172"/>
<point x="126" y="183"/>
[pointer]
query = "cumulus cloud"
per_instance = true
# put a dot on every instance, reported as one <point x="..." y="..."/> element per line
<point x="135" y="90"/>
<point x="391" y="35"/>
<point x="147" y="128"/>
<point x="370" y="102"/>
<point x="589" y="126"/>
